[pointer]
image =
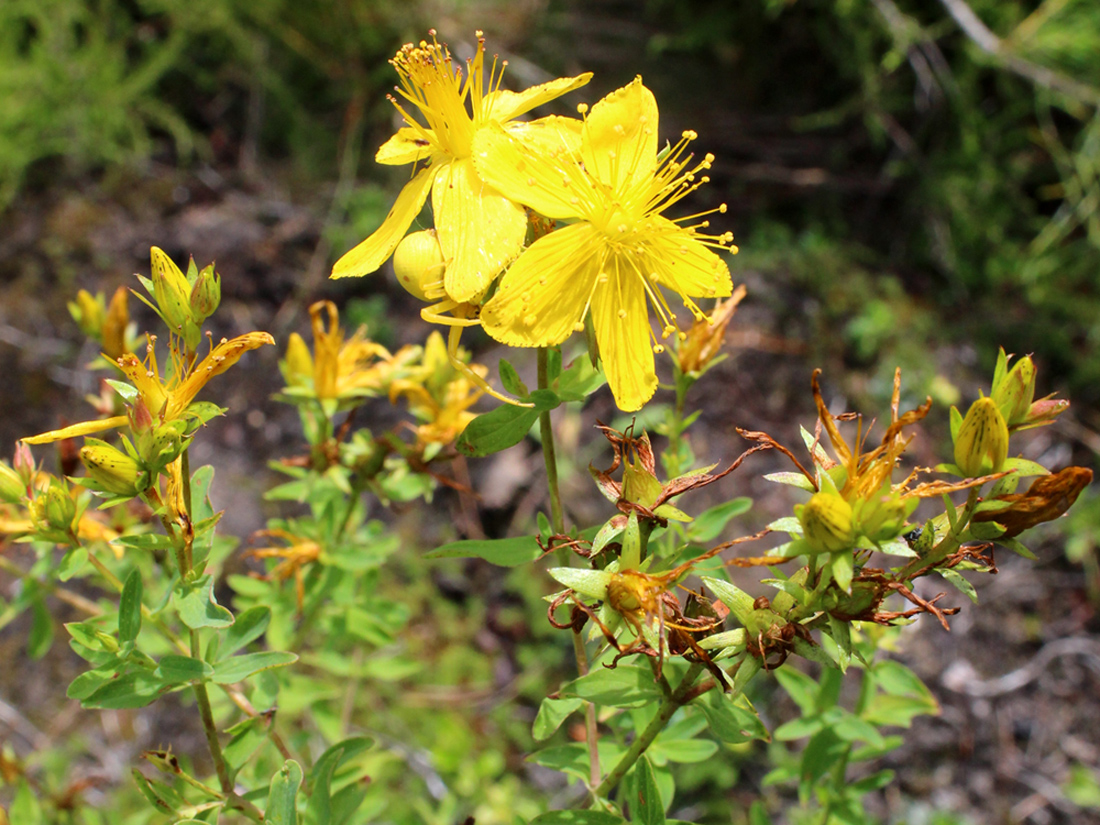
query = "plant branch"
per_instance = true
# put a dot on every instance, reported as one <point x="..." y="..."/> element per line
<point x="680" y="697"/>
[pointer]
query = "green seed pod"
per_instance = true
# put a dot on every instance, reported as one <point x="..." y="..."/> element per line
<point x="981" y="445"/>
<point x="56" y="507"/>
<point x="826" y="521"/>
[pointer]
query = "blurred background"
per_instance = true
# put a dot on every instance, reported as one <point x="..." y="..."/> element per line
<point x="911" y="183"/>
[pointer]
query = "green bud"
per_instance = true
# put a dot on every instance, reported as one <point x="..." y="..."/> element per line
<point x="883" y="516"/>
<point x="826" y="521"/>
<point x="206" y="294"/>
<point x="1014" y="393"/>
<point x="12" y="488"/>
<point x="114" y="471"/>
<point x="56" y="508"/>
<point x="981" y="445"/>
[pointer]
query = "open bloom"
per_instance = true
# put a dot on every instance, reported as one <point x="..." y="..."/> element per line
<point x="618" y="251"/>
<point x="164" y="398"/>
<point x="479" y="229"/>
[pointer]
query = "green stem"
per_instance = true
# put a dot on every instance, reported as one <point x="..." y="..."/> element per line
<point x="680" y="697"/>
<point x="591" y="733"/>
<point x="557" y="519"/>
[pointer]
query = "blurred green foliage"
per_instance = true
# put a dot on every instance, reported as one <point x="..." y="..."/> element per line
<point x="101" y="82"/>
<point x="971" y="173"/>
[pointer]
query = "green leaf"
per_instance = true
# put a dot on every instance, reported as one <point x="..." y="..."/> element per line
<point x="572" y="759"/>
<point x="625" y="686"/>
<point x="577" y="818"/>
<point x="787" y="524"/>
<point x="132" y="690"/>
<point x="579" y="381"/>
<point x="320" y="777"/>
<point x="248" y="736"/>
<point x="511" y="381"/>
<point x="161" y="796"/>
<point x="282" y="798"/>
<point x="841" y="634"/>
<point x="501" y="552"/>
<point x="1025" y="468"/>
<point x="239" y="668"/>
<point x="505" y="426"/>
<point x="175" y="669"/>
<point x="646" y="808"/>
<point x="800" y="687"/>
<point x="683" y="751"/>
<point x="959" y="582"/>
<point x="248" y="627"/>
<point x="820" y="755"/>
<point x="732" y="719"/>
<point x="794" y="479"/>
<point x="552" y="712"/>
<point x="146" y="541"/>
<point x="41" y="634"/>
<point x="591" y="583"/>
<point x="197" y="606"/>
<point x="129" y="607"/>
<point x="710" y="523"/>
<point x="72" y="563"/>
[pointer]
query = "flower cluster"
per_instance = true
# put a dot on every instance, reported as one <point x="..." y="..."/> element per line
<point x="603" y="176"/>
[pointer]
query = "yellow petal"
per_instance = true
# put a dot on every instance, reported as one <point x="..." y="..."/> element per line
<point x="542" y="297"/>
<point x="83" y="428"/>
<point x="549" y="135"/>
<point x="223" y="356"/>
<point x="407" y="146"/>
<point x="620" y="137"/>
<point x="373" y="252"/>
<point x="479" y="229"/>
<point x="685" y="264"/>
<point x="505" y="105"/>
<point x="621" y="319"/>
<point x="539" y="175"/>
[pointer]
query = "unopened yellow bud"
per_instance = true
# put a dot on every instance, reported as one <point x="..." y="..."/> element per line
<point x="206" y="294"/>
<point x="114" y="471"/>
<point x="826" y="521"/>
<point x="418" y="264"/>
<point x="298" y="365"/>
<point x="114" y="325"/>
<point x="88" y="311"/>
<point x="171" y="290"/>
<point x="981" y="445"/>
<point x="12" y="488"/>
<point x="54" y="509"/>
<point x="1015" y="392"/>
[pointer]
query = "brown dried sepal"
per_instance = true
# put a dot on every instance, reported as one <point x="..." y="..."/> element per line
<point x="1046" y="499"/>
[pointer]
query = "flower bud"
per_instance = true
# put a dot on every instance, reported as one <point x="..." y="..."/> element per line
<point x="54" y="510"/>
<point x="298" y="364"/>
<point x="114" y="471"/>
<point x="114" y="325"/>
<point x="826" y="521"/>
<point x="88" y="312"/>
<point x="141" y="420"/>
<point x="981" y="445"/>
<point x="12" y="488"/>
<point x="883" y="516"/>
<point x="206" y="294"/>
<point x="171" y="290"/>
<point x="23" y="462"/>
<point x="418" y="264"/>
<point x="1015" y="392"/>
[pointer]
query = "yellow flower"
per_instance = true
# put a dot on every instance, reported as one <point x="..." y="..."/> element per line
<point x="439" y="395"/>
<point x="619" y="250"/>
<point x="340" y="368"/>
<point x="479" y="230"/>
<point x="167" y="398"/>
